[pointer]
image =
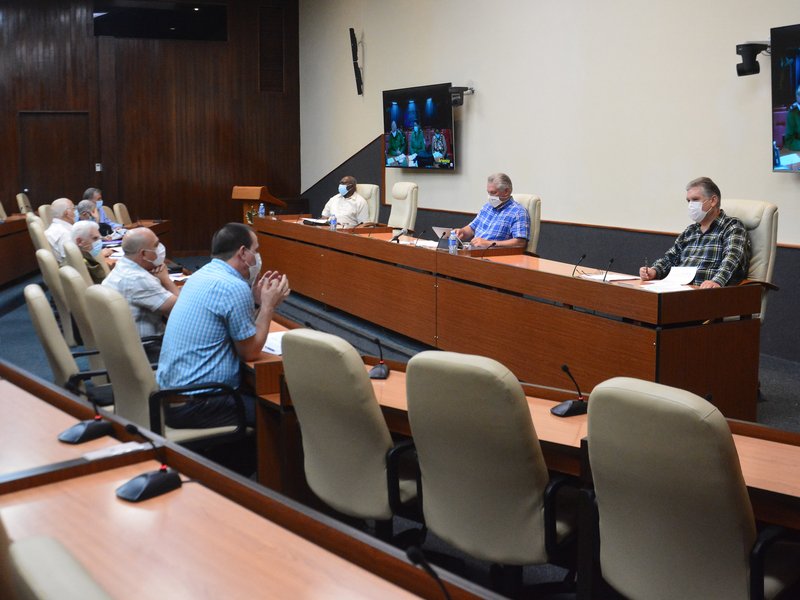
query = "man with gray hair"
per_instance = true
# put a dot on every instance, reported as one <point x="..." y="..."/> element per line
<point x="502" y="221"/>
<point x="143" y="280"/>
<point x="87" y="211"/>
<point x="714" y="243"/>
<point x="60" y="229"/>
<point x="86" y="235"/>
<point x="96" y="195"/>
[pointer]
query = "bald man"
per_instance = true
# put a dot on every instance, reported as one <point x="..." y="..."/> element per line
<point x="141" y="277"/>
<point x="60" y="229"/>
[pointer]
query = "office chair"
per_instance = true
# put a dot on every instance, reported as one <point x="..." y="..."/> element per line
<point x="121" y="214"/>
<point x="404" y="205"/>
<point x="761" y="221"/>
<point x="62" y="362"/>
<point x="485" y="486"/>
<point x="533" y="204"/>
<point x="75" y="286"/>
<point x="36" y="230"/>
<point x="24" y="203"/>
<point x="3" y="215"/>
<point x="136" y="393"/>
<point x="372" y="194"/>
<point x="675" y="519"/>
<point x="46" y="215"/>
<point x="49" y="268"/>
<point x="348" y="451"/>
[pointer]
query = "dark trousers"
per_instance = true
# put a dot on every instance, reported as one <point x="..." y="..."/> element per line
<point x="216" y="410"/>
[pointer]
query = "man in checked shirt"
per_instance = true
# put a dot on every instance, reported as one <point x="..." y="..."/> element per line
<point x="502" y="221"/>
<point x="715" y="243"/>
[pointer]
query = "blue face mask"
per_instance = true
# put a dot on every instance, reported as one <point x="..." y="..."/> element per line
<point x="99" y="204"/>
<point x="97" y="248"/>
<point x="342" y="189"/>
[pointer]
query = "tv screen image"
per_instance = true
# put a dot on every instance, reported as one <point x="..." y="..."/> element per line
<point x="785" y="51"/>
<point x="418" y="128"/>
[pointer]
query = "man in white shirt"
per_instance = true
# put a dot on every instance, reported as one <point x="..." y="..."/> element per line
<point x="348" y="206"/>
<point x="142" y="278"/>
<point x="60" y="229"/>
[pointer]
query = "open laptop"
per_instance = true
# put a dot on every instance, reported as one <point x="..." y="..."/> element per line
<point x="443" y="236"/>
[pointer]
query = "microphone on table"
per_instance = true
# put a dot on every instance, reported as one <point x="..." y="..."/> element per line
<point x="485" y="250"/>
<point x="151" y="484"/>
<point x="610" y="262"/>
<point x="417" y="558"/>
<point x="398" y="235"/>
<point x="571" y="408"/>
<point x="85" y="431"/>
<point x="577" y="264"/>
<point x="381" y="370"/>
<point x="419" y="237"/>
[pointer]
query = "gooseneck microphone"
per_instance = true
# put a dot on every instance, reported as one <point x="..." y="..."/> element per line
<point x="610" y="262"/>
<point x="485" y="250"/>
<point x="571" y="408"/>
<point x="381" y="370"/>
<point x="398" y="235"/>
<point x="577" y="264"/>
<point x="417" y="558"/>
<point x="424" y="231"/>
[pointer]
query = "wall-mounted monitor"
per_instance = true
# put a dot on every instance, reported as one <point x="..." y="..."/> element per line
<point x="785" y="51"/>
<point x="418" y="128"/>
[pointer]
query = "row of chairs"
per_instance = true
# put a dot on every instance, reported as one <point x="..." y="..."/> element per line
<point x="675" y="520"/>
<point x="119" y="213"/>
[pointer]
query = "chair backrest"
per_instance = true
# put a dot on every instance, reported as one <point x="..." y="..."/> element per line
<point x="46" y="215"/>
<point x="404" y="205"/>
<point x="43" y="569"/>
<point x="372" y="194"/>
<point x="674" y="510"/>
<point x="533" y="204"/>
<point x="3" y="214"/>
<point x="483" y="473"/>
<point x="118" y="340"/>
<point x="345" y="437"/>
<point x="74" y="258"/>
<point x="761" y="221"/>
<point x="36" y="230"/>
<point x="49" y="268"/>
<point x="75" y="287"/>
<point x="61" y="361"/>
<point x="121" y="214"/>
<point x="6" y="577"/>
<point x="24" y="203"/>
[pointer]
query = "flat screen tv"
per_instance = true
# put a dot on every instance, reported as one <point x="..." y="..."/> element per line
<point x="785" y="51"/>
<point x="418" y="128"/>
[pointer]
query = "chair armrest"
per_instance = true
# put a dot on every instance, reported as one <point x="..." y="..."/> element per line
<point x="151" y="339"/>
<point x="393" y="456"/>
<point x="168" y="396"/>
<point x="765" y="284"/>
<point x="550" y="511"/>
<point x="80" y="353"/>
<point x="72" y="384"/>
<point x="766" y="537"/>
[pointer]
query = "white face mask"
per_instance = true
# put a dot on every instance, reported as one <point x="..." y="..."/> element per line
<point x="97" y="248"/>
<point x="494" y="201"/>
<point x="98" y="204"/>
<point x="696" y="212"/>
<point x="161" y="254"/>
<point x="254" y="269"/>
<point x="342" y="189"/>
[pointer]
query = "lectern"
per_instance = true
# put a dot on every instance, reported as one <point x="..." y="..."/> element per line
<point x="251" y="196"/>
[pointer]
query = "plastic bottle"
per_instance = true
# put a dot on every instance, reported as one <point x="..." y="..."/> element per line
<point x="332" y="222"/>
<point x="452" y="244"/>
<point x="262" y="211"/>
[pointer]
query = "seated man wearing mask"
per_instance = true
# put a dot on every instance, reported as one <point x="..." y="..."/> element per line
<point x="86" y="236"/>
<point x="714" y="243"/>
<point x="221" y="318"/>
<point x="142" y="278"/>
<point x="60" y="229"/>
<point x="87" y="211"/>
<point x="501" y="221"/>
<point x="348" y="205"/>
<point x="96" y="196"/>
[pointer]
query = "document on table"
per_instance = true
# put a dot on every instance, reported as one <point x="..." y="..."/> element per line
<point x="422" y="244"/>
<point x="677" y="279"/>
<point x="609" y="276"/>
<point x="274" y="343"/>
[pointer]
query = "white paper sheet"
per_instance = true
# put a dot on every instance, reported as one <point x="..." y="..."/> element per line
<point x="274" y="343"/>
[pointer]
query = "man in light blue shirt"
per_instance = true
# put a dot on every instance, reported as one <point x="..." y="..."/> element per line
<point x="222" y="317"/>
<point x="96" y="196"/>
<point x="501" y="221"/>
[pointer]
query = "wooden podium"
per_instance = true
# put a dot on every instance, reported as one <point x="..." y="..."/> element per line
<point x="251" y="196"/>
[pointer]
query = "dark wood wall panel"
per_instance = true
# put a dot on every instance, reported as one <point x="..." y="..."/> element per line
<point x="175" y="123"/>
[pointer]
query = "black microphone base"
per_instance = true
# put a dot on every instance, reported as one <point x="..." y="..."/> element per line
<point x="379" y="371"/>
<point x="570" y="408"/>
<point x="85" y="431"/>
<point x="149" y="485"/>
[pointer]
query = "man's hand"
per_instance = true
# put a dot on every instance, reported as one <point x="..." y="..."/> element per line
<point x="480" y="243"/>
<point x="274" y="290"/>
<point x="646" y="273"/>
<point x="708" y="284"/>
<point x="106" y="252"/>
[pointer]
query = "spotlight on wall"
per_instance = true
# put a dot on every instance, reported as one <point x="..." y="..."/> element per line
<point x="457" y="95"/>
<point x="749" y="52"/>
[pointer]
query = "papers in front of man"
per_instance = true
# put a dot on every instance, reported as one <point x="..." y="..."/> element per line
<point x="678" y="279"/>
<point x="274" y="343"/>
<point x="603" y="276"/>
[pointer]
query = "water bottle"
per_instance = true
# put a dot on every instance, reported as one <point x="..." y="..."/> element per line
<point x="261" y="210"/>
<point x="452" y="245"/>
<point x="332" y="222"/>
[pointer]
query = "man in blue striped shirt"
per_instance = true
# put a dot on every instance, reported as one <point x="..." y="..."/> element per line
<point x="714" y="243"/>
<point x="501" y="221"/>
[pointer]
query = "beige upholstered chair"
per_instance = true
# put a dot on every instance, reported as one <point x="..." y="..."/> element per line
<point x="345" y="437"/>
<point x="675" y="519"/>
<point x="761" y="221"/>
<point x="24" y="203"/>
<point x="46" y="215"/>
<point x="131" y="374"/>
<point x="404" y="205"/>
<point x="32" y="216"/>
<point x="43" y="569"/>
<point x="49" y="268"/>
<point x="484" y="478"/>
<point x="36" y="231"/>
<point x="75" y="286"/>
<point x="533" y="204"/>
<point x="372" y="194"/>
<point x="121" y="214"/>
<point x="74" y="258"/>
<point x="3" y="214"/>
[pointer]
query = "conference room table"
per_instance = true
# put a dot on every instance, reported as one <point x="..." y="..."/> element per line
<point x="531" y="314"/>
<point x="218" y="535"/>
<point x="17" y="257"/>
